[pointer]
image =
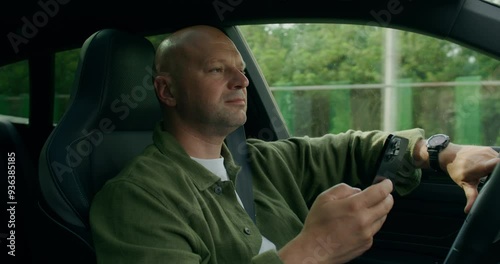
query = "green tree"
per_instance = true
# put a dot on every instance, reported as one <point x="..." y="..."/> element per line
<point x="322" y="54"/>
<point x="14" y="78"/>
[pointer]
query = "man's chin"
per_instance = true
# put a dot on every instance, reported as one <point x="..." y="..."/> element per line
<point x="238" y="124"/>
<point x="241" y="120"/>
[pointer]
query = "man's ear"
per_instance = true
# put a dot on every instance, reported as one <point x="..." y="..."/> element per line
<point x="164" y="90"/>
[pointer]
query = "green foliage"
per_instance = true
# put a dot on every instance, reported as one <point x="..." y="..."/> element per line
<point x="315" y="54"/>
<point x="319" y="54"/>
<point x="14" y="79"/>
<point x="156" y="39"/>
<point x="14" y="89"/>
<point x="66" y="63"/>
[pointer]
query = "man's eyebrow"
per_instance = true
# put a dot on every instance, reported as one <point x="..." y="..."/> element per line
<point x="243" y="65"/>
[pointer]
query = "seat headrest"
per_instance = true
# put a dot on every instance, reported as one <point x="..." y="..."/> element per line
<point x="113" y="110"/>
<point x="114" y="79"/>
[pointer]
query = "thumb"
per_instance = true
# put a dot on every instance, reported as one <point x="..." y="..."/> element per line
<point x="471" y="195"/>
<point x="340" y="191"/>
<point x="490" y="165"/>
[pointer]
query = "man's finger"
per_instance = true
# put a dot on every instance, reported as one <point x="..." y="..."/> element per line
<point x="378" y="214"/>
<point x="381" y="209"/>
<point x="376" y="193"/>
<point x="377" y="225"/>
<point x="490" y="165"/>
<point x="471" y="195"/>
<point x="340" y="191"/>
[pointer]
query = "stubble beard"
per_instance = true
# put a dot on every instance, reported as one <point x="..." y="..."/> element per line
<point x="224" y="122"/>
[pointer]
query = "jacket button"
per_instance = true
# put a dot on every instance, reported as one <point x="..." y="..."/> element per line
<point x="218" y="190"/>
<point x="247" y="231"/>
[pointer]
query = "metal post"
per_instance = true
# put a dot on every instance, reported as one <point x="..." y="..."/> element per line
<point x="390" y="97"/>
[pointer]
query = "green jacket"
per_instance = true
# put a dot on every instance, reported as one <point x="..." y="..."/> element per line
<point x="166" y="208"/>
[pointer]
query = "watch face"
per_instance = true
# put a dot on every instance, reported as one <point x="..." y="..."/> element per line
<point x="437" y="140"/>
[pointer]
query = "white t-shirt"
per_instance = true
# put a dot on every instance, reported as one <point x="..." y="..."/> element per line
<point x="216" y="166"/>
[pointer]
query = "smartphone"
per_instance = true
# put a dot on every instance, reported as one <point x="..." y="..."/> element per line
<point x="390" y="159"/>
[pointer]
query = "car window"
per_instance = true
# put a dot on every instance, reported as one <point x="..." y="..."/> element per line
<point x="156" y="39"/>
<point x="14" y="90"/>
<point x="65" y="64"/>
<point x="495" y="2"/>
<point x="328" y="78"/>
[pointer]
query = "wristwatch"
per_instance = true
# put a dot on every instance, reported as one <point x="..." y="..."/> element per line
<point x="435" y="144"/>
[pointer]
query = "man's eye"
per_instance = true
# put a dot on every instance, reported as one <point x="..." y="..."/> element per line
<point x="218" y="69"/>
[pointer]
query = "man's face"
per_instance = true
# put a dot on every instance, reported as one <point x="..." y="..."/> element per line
<point x="211" y="91"/>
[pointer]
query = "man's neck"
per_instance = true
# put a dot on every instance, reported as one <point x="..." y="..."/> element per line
<point x="198" y="144"/>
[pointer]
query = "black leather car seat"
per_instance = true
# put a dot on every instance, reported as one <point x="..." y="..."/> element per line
<point x="110" y="120"/>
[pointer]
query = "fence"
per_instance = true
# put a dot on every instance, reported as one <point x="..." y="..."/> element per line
<point x="467" y="109"/>
<point x="19" y="105"/>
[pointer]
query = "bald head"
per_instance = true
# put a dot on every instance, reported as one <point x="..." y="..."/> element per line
<point x="201" y="84"/>
<point x="175" y="49"/>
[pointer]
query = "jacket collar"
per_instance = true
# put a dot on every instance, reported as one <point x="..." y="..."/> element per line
<point x="168" y="145"/>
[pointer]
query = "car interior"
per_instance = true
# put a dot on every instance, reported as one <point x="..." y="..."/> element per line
<point x="89" y="133"/>
<point x="112" y="109"/>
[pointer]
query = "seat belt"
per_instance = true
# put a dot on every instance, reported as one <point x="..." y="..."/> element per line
<point x="236" y="142"/>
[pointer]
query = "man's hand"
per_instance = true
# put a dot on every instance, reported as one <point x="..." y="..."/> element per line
<point x="466" y="165"/>
<point x="341" y="224"/>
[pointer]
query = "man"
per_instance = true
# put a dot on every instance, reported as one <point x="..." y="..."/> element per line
<point x="176" y="202"/>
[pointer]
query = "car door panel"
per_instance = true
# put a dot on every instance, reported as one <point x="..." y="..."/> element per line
<point x="425" y="222"/>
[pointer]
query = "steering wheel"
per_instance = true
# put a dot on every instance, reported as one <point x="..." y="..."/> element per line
<point x="481" y="225"/>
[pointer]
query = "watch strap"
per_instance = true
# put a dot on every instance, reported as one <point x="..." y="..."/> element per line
<point x="434" y="159"/>
<point x="434" y="147"/>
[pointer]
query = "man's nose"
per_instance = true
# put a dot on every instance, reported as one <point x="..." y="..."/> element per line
<point x="239" y="79"/>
